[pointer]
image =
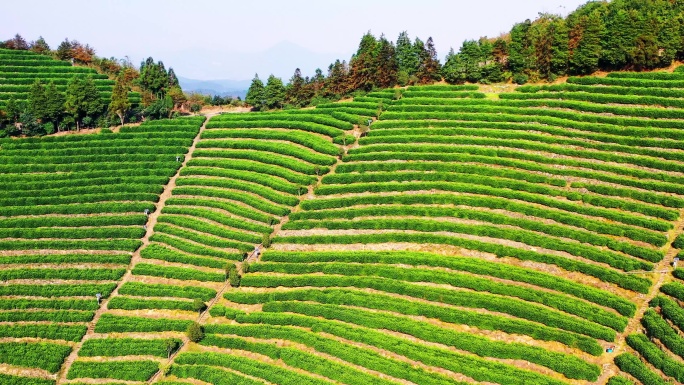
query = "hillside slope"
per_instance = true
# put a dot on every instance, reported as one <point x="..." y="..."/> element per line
<point x="461" y="240"/>
<point x="20" y="69"/>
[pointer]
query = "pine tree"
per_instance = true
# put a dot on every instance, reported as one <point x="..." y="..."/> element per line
<point x="363" y="68"/>
<point x="429" y="70"/>
<point x="17" y="42"/>
<point x="387" y="64"/>
<point x="64" y="50"/>
<point x="560" y="54"/>
<point x="337" y="84"/>
<point x="294" y="92"/>
<point x="54" y="109"/>
<point x="407" y="57"/>
<point x="40" y="46"/>
<point x="120" y="103"/>
<point x="585" y="44"/>
<point x="173" y="79"/>
<point x="37" y="101"/>
<point x="255" y="94"/>
<point x="471" y="57"/>
<point x="274" y="93"/>
<point x="154" y="78"/>
<point x="454" y="69"/>
<point x="13" y="109"/>
<point x="83" y="100"/>
<point x="520" y="48"/>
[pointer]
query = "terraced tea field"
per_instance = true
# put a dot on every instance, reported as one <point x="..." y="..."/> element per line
<point x="72" y="213"/>
<point x="526" y="239"/>
<point x="20" y="69"/>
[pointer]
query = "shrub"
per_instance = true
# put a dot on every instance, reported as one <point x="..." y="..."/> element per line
<point x="194" y="332"/>
<point x="520" y="79"/>
<point x="234" y="276"/>
<point x="198" y="305"/>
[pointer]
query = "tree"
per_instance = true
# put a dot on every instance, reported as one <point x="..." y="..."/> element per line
<point x="585" y="43"/>
<point x="429" y="69"/>
<point x="37" y="102"/>
<point x="120" y="103"/>
<point x="40" y="46"/>
<point x="453" y="70"/>
<point x="30" y="126"/>
<point x="255" y="94"/>
<point x="17" y="42"/>
<point x="295" y="90"/>
<point x="173" y="79"/>
<point x="471" y="59"/>
<point x="548" y="36"/>
<point x="64" y="50"/>
<point x="363" y="65"/>
<point x="54" y="107"/>
<point x="387" y="66"/>
<point x="177" y="97"/>
<point x="171" y="346"/>
<point x="83" y="100"/>
<point x="407" y="58"/>
<point x="317" y="82"/>
<point x="13" y="109"/>
<point x="194" y="332"/>
<point x="234" y="276"/>
<point x="82" y="54"/>
<point x="198" y="305"/>
<point x="274" y="93"/>
<point x="520" y="48"/>
<point x="154" y="78"/>
<point x="337" y="84"/>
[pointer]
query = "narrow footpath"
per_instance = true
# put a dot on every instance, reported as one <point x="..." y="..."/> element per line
<point x="151" y="221"/>
<point x="663" y="270"/>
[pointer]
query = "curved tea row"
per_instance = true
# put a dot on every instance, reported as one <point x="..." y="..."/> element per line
<point x="72" y="210"/>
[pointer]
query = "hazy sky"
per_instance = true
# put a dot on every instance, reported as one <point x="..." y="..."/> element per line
<point x="211" y="39"/>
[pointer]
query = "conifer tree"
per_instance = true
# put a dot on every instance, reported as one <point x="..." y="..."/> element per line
<point x="274" y="93"/>
<point x="64" y="50"/>
<point x="40" y="46"/>
<point x="337" y="83"/>
<point x="82" y="100"/>
<point x="520" y="48"/>
<point x="429" y="70"/>
<point x="255" y="94"/>
<point x="17" y="42"/>
<point x="295" y="90"/>
<point x="407" y="58"/>
<point x="387" y="66"/>
<point x="54" y="108"/>
<point x="173" y="79"/>
<point x="13" y="109"/>
<point x="585" y="43"/>
<point x="37" y="102"/>
<point x="363" y="66"/>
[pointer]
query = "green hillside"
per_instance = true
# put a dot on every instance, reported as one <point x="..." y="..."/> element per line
<point x="20" y="69"/>
<point x="460" y="239"/>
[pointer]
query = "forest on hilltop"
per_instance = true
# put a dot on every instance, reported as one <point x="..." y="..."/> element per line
<point x="598" y="36"/>
<point x="47" y="90"/>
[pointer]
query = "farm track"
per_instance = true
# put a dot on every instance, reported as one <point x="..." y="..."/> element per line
<point x="252" y="257"/>
<point x="664" y="272"/>
<point x="151" y="221"/>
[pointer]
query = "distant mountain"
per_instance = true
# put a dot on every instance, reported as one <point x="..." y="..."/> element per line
<point x="220" y="87"/>
<point x="280" y="60"/>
